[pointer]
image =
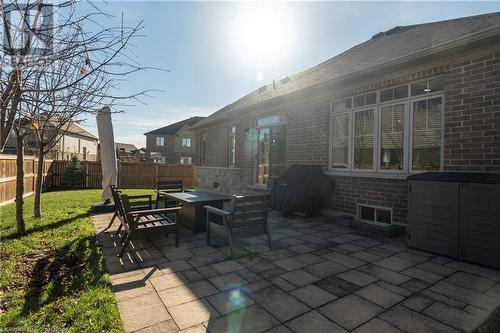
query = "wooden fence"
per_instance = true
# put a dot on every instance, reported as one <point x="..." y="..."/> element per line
<point x="130" y="175"/>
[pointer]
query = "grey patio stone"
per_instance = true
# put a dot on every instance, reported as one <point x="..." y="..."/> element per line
<point x="357" y="277"/>
<point x="350" y="311"/>
<point x="192" y="275"/>
<point x="466" y="295"/>
<point x="337" y="286"/>
<point x="436" y="268"/>
<point x="201" y="260"/>
<point x="384" y="274"/>
<point x="477" y="311"/>
<point x="279" y="304"/>
<point x="204" y="250"/>
<point x="343" y="259"/>
<point x="194" y="329"/>
<point x="309" y="258"/>
<point x="393" y="247"/>
<point x="300" y="277"/>
<point x="485" y="272"/>
<point x="326" y="268"/>
<point x="192" y="313"/>
<point x="227" y="266"/>
<point x="207" y="271"/>
<point x="289" y="264"/>
<point x="413" y="322"/>
<point x="422" y="274"/>
<point x="379" y="296"/>
<point x="313" y="296"/>
<point x="279" y="329"/>
<point x="166" y="281"/>
<point x="348" y="248"/>
<point x="417" y="258"/>
<point x="377" y="326"/>
<point x="249" y="275"/>
<point x="178" y="255"/>
<point x="271" y="273"/>
<point x="230" y="300"/>
<point x="277" y="254"/>
<point x="142" y="311"/>
<point x="418" y="302"/>
<point x="173" y="266"/>
<point x="443" y="299"/>
<point x="453" y="317"/>
<point x="250" y="289"/>
<point x="396" y="289"/>
<point x="494" y="291"/>
<point x="283" y="284"/>
<point x="470" y="281"/>
<point x="252" y="319"/>
<point x="394" y="263"/>
<point x="167" y="326"/>
<point x="228" y="281"/>
<point x="130" y="289"/>
<point x="313" y="321"/>
<point x="301" y="248"/>
<point x="415" y="285"/>
<point x="366" y="256"/>
<point x="292" y="240"/>
<point x="255" y="264"/>
<point x="186" y="293"/>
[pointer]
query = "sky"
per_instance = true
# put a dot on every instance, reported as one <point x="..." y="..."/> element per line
<point x="217" y="52"/>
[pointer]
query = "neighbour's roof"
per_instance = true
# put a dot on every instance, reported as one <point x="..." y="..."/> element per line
<point x="174" y="128"/>
<point x="399" y="43"/>
<point x="127" y="147"/>
<point x="74" y="128"/>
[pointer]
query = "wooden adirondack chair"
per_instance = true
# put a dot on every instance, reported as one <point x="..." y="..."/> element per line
<point x="146" y="223"/>
<point x="171" y="186"/>
<point x="134" y="205"/>
<point x="248" y="213"/>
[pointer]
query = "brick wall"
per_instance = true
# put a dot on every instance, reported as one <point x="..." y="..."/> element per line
<point x="472" y="115"/>
<point x="216" y="147"/>
<point x="167" y="150"/>
<point x="224" y="180"/>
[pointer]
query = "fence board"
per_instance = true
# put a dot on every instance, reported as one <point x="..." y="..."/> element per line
<point x="130" y="175"/>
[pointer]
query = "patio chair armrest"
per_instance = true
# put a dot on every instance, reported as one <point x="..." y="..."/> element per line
<point x="142" y="196"/>
<point x="155" y="211"/>
<point x="217" y="211"/>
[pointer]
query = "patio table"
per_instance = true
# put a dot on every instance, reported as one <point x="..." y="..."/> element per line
<point x="193" y="215"/>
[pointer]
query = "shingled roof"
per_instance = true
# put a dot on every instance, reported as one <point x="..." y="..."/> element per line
<point x="174" y="128"/>
<point x="399" y="44"/>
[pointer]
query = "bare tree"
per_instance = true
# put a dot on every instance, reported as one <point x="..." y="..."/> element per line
<point x="58" y="64"/>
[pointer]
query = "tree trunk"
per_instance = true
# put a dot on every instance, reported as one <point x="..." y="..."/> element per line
<point x="21" y="228"/>
<point x="38" y="185"/>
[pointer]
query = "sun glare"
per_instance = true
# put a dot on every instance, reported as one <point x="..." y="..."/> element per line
<point x="262" y="34"/>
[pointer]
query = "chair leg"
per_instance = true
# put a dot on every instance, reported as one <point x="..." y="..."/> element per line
<point x="208" y="233"/>
<point x="119" y="229"/>
<point x="269" y="239"/>
<point x="123" y="237"/>
<point x="124" y="247"/>
<point x="231" y="244"/>
<point x="112" y="220"/>
<point x="156" y="205"/>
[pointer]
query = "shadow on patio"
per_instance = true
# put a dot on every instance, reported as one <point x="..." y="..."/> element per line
<point x="320" y="277"/>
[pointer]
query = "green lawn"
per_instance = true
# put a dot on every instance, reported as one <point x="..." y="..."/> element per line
<point x="53" y="278"/>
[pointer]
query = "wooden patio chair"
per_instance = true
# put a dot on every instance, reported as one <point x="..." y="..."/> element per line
<point x="146" y="223"/>
<point x="247" y="213"/>
<point x="134" y="205"/>
<point x="171" y="186"/>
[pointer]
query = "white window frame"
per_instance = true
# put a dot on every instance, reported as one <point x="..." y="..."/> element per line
<point x="232" y="139"/>
<point x="408" y="135"/>
<point x="183" y="158"/>
<point x="358" y="212"/>
<point x="162" y="139"/>
<point x="186" y="142"/>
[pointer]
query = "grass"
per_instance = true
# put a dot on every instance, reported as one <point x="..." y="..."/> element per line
<point x="53" y="278"/>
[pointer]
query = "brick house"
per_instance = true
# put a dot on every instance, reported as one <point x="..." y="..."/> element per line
<point x="174" y="143"/>
<point x="411" y="99"/>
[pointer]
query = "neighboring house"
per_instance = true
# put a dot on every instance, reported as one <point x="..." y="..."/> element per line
<point x="128" y="152"/>
<point x="411" y="99"/>
<point x="174" y="143"/>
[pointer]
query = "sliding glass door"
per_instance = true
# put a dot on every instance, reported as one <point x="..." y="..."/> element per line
<point x="271" y="152"/>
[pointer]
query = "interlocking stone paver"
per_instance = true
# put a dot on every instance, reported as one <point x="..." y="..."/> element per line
<point x="326" y="268"/>
<point x="192" y="313"/>
<point x="186" y="293"/>
<point x="166" y="281"/>
<point x="279" y="329"/>
<point x="283" y="284"/>
<point x="207" y="271"/>
<point x="313" y="321"/>
<point x="227" y="266"/>
<point x="366" y="256"/>
<point x="470" y="281"/>
<point x="252" y="319"/>
<point x="343" y="259"/>
<point x="201" y="260"/>
<point x="271" y="273"/>
<point x="350" y="311"/>
<point x="415" y="285"/>
<point x="279" y="304"/>
<point x="413" y="322"/>
<point x="384" y="274"/>
<point x="394" y="263"/>
<point x="178" y="255"/>
<point x="256" y="264"/>
<point x="337" y="286"/>
<point x="192" y="275"/>
<point x="453" y="317"/>
<point x="142" y="311"/>
<point x="167" y="326"/>
<point x="130" y="289"/>
<point x="494" y="291"/>
<point x="313" y="296"/>
<point x="485" y="272"/>
<point x="289" y="264"/>
<point x="466" y="295"/>
<point x="380" y="296"/>
<point x="422" y="274"/>
<point x="396" y="289"/>
<point x="249" y="275"/>
<point x="301" y="248"/>
<point x="228" y="281"/>
<point x="300" y="277"/>
<point x="477" y="311"/>
<point x="418" y="302"/>
<point x="230" y="300"/>
<point x="443" y="299"/>
<point x="377" y="326"/>
<point x="417" y="258"/>
<point x="277" y="254"/>
<point x="173" y="266"/>
<point x="309" y="258"/>
<point x="357" y="277"/>
<point x="348" y="248"/>
<point x="437" y="268"/>
<point x="194" y="329"/>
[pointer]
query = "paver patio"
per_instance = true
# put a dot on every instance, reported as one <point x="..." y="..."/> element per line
<point x="321" y="277"/>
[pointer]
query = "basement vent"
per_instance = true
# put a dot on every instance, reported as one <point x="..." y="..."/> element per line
<point x="375" y="214"/>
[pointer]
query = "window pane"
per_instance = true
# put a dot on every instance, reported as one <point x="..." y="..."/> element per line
<point x="436" y="84"/>
<point x="418" y="88"/>
<point x="340" y="133"/>
<point x="386" y="95"/>
<point x="383" y="216"/>
<point x="359" y="101"/>
<point x="268" y="121"/>
<point x="392" y="137"/>
<point x="363" y="139"/>
<point x="426" y="154"/>
<point x="367" y="213"/>
<point x="371" y="98"/>
<point x="401" y="92"/>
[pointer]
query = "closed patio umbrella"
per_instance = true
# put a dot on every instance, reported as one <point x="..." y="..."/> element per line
<point x="108" y="154"/>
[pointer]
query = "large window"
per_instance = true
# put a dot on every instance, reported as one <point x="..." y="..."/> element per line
<point x="186" y="160"/>
<point x="186" y="142"/>
<point x="394" y="130"/>
<point x="392" y="126"/>
<point x="232" y="146"/>
<point x="160" y="141"/>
